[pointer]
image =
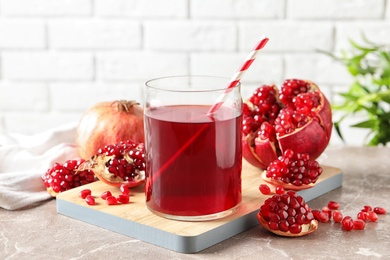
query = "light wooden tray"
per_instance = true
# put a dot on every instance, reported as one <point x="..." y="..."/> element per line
<point x="136" y="221"/>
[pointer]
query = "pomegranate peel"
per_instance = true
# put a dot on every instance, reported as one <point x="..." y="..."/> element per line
<point x="286" y="186"/>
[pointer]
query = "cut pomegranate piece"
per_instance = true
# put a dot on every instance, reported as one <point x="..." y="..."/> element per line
<point x="293" y="171"/>
<point x="118" y="164"/>
<point x="287" y="215"/>
<point x="300" y="118"/>
<point x="62" y="177"/>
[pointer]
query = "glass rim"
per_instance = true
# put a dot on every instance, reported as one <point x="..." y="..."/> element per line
<point x="222" y="88"/>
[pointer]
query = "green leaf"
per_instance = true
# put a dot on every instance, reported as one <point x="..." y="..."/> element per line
<point x="359" y="47"/>
<point x="372" y="124"/>
<point x="338" y="130"/>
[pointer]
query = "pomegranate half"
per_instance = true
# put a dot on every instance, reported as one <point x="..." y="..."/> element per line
<point x="296" y="117"/>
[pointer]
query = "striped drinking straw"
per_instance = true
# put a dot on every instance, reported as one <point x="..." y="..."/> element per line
<point x="238" y="75"/>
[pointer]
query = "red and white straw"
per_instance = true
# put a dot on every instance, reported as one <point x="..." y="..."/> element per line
<point x="238" y="75"/>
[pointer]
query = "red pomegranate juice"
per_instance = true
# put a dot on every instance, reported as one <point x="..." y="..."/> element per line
<point x="193" y="162"/>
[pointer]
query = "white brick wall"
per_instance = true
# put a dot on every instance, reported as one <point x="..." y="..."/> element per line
<point x="58" y="57"/>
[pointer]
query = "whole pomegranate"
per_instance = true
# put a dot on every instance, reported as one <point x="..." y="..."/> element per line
<point x="119" y="164"/>
<point x="297" y="117"/>
<point x="109" y="123"/>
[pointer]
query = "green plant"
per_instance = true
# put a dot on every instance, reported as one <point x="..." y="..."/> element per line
<point x="369" y="94"/>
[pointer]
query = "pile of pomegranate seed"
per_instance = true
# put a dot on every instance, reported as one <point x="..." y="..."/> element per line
<point x="276" y="217"/>
<point x="294" y="168"/>
<point x="107" y="196"/>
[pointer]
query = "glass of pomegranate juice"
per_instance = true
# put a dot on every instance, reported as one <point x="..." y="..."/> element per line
<point x="194" y="158"/>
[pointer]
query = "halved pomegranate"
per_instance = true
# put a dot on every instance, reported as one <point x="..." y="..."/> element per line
<point x="297" y="118"/>
<point x="287" y="215"/>
<point x="119" y="164"/>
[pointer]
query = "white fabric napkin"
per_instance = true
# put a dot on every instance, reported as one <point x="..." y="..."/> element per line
<point x="24" y="159"/>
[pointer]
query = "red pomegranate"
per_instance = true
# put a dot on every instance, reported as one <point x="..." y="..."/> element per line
<point x="109" y="123"/>
<point x="297" y="117"/>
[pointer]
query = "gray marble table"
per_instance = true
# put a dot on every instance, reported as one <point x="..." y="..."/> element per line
<point x="40" y="233"/>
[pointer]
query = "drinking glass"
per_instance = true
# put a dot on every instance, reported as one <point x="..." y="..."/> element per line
<point x="193" y="158"/>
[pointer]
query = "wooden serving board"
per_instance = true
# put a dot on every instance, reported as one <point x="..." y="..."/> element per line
<point x="136" y="221"/>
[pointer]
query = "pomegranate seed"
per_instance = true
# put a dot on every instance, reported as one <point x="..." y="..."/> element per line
<point x="124" y="188"/>
<point x="337" y="216"/>
<point x="90" y="200"/>
<point x="372" y="216"/>
<point x="347" y="223"/>
<point x="295" y="228"/>
<point x="105" y="195"/>
<point x="333" y="205"/>
<point x="379" y="210"/>
<point x="84" y="193"/>
<point x="359" y="224"/>
<point x="366" y="208"/>
<point x="123" y="198"/>
<point x="264" y="189"/>
<point x="111" y="200"/>
<point x="327" y="211"/>
<point x="321" y="216"/>
<point x="279" y="190"/>
<point x="362" y="215"/>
